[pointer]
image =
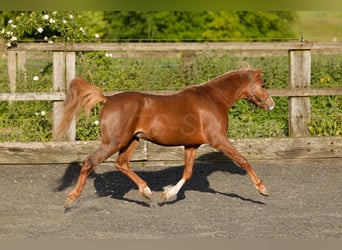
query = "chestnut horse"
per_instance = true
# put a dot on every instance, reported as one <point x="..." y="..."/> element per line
<point x="197" y="115"/>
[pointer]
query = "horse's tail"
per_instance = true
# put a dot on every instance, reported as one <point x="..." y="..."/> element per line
<point x="81" y="94"/>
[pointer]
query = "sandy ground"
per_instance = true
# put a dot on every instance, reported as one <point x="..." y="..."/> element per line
<point x="218" y="202"/>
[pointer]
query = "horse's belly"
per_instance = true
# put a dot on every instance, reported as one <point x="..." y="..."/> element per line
<point x="172" y="137"/>
<point x="171" y="126"/>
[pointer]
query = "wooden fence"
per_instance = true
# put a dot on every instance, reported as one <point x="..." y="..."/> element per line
<point x="298" y="91"/>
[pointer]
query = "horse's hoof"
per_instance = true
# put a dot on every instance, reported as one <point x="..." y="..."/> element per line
<point x="69" y="202"/>
<point x="263" y="191"/>
<point x="163" y="198"/>
<point x="147" y="193"/>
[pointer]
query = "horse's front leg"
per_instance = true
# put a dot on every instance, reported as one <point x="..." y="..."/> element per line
<point x="227" y="148"/>
<point x="170" y="191"/>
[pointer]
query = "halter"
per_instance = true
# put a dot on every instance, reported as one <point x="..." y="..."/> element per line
<point x="261" y="101"/>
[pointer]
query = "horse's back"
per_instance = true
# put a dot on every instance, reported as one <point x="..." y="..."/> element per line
<point x="178" y="102"/>
<point x="163" y="119"/>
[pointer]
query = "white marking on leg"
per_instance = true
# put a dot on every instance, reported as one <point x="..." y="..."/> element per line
<point x="173" y="190"/>
<point x="147" y="193"/>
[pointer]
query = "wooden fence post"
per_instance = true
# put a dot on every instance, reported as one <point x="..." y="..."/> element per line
<point x="70" y="71"/>
<point x="22" y="75"/>
<point x="16" y="69"/>
<point x="299" y="78"/>
<point x="12" y="70"/>
<point x="63" y="72"/>
<point x="187" y="65"/>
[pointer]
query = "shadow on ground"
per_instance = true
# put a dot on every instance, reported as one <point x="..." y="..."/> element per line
<point x="116" y="184"/>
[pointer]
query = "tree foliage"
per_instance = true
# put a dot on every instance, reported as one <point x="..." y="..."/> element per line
<point x="77" y="26"/>
<point x="205" y="25"/>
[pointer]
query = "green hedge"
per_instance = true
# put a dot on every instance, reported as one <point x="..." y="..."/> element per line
<point x="32" y="121"/>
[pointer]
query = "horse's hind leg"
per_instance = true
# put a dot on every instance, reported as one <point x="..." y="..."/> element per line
<point x="122" y="164"/>
<point x="89" y="164"/>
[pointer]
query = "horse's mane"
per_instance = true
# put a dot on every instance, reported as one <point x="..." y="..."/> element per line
<point x="243" y="69"/>
<point x="246" y="68"/>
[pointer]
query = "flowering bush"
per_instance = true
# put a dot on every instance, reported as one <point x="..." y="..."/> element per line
<point x="48" y="26"/>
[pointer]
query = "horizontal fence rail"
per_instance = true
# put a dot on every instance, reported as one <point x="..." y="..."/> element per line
<point x="322" y="47"/>
<point x="298" y="90"/>
<point x="255" y="149"/>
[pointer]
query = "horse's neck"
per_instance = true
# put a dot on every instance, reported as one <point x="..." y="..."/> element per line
<point x="227" y="88"/>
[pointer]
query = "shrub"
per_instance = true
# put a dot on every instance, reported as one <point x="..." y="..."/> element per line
<point x="48" y="26"/>
<point x="21" y="121"/>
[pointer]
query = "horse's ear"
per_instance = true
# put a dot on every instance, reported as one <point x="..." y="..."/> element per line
<point x="258" y="71"/>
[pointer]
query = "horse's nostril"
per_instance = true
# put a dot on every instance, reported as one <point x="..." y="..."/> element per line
<point x="270" y="108"/>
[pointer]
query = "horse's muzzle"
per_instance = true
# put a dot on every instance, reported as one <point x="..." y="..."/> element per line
<point x="268" y="104"/>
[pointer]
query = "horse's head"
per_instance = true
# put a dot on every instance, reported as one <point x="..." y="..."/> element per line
<point x="256" y="91"/>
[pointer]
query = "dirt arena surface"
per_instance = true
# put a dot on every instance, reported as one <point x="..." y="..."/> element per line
<point x="219" y="202"/>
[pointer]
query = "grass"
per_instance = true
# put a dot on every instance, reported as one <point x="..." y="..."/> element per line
<point x="319" y="25"/>
<point x="32" y="121"/>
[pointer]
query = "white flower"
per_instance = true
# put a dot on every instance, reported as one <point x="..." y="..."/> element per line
<point x="65" y="21"/>
<point x="13" y="26"/>
<point x="35" y="78"/>
<point x="97" y="36"/>
<point x="2" y="31"/>
<point x="40" y="29"/>
<point x="9" y="44"/>
<point x="71" y="16"/>
<point x="45" y="37"/>
<point x="42" y="112"/>
<point x="45" y="17"/>
<point x="54" y="12"/>
<point x="10" y="21"/>
<point x="52" y="20"/>
<point x="96" y="122"/>
<point x="82" y="30"/>
<point x="13" y="38"/>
